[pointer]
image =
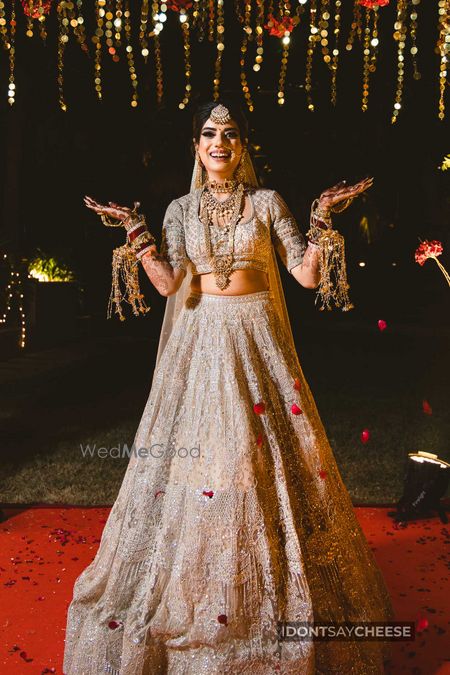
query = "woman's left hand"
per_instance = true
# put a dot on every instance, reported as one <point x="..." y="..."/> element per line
<point x="341" y="192"/>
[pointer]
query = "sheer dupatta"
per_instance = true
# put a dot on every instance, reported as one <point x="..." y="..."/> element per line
<point x="175" y="302"/>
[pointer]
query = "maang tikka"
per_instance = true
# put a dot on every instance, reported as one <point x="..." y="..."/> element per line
<point x="220" y="115"/>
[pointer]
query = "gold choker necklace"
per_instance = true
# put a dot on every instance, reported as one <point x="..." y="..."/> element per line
<point x="229" y="185"/>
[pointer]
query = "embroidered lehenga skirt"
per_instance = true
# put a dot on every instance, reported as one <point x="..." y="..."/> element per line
<point x="232" y="517"/>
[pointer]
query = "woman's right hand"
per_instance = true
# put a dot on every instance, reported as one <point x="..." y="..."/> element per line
<point x="113" y="210"/>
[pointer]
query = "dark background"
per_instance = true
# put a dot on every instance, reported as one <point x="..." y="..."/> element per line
<point x="49" y="159"/>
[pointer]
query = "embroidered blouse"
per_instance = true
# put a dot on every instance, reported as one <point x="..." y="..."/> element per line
<point x="271" y="223"/>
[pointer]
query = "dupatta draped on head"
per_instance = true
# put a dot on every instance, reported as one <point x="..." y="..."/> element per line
<point x="176" y="301"/>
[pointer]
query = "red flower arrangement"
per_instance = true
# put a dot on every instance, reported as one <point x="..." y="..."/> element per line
<point x="179" y="5"/>
<point x="373" y="3"/>
<point x="431" y="249"/>
<point x="36" y="8"/>
<point x="277" y="27"/>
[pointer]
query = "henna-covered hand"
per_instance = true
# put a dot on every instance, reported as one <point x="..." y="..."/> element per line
<point x="113" y="210"/>
<point x="342" y="192"/>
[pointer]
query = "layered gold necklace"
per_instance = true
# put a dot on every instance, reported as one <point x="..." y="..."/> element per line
<point x="225" y="215"/>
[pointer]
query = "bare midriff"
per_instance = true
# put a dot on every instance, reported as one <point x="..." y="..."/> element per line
<point x="241" y="282"/>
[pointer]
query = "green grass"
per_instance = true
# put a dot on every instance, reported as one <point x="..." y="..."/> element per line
<point x="360" y="379"/>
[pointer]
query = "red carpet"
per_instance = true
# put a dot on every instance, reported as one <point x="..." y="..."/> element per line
<point x="43" y="550"/>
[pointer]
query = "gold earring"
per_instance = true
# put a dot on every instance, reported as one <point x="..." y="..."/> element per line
<point x="197" y="157"/>
<point x="240" y="171"/>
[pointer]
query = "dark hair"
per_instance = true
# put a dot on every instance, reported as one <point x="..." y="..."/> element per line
<point x="203" y="112"/>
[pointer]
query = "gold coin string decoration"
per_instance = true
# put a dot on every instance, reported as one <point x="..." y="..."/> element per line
<point x="400" y="38"/>
<point x="259" y="35"/>
<point x="118" y="28"/>
<point x="282" y="27"/>
<point x="78" y="27"/>
<point x="185" y="27"/>
<point x="158" y="26"/>
<point x="313" y="39"/>
<point x="130" y="55"/>
<point x="323" y="29"/>
<point x="8" y="39"/>
<point x="220" y="45"/>
<point x="335" y="58"/>
<point x="443" y="49"/>
<point x="202" y="20"/>
<point x="413" y="32"/>
<point x="3" y="26"/>
<point x="211" y="20"/>
<point x="366" y="61"/>
<point x="97" y="40"/>
<point x="247" y="35"/>
<point x="356" y="27"/>
<point x="143" y="30"/>
<point x="63" y="39"/>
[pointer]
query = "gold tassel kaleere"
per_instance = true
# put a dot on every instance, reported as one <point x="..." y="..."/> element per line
<point x="333" y="285"/>
<point x="125" y="268"/>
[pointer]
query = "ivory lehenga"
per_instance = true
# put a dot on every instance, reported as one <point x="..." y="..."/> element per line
<point x="238" y="517"/>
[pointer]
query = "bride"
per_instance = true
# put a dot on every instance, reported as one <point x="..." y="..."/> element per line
<point x="232" y="517"/>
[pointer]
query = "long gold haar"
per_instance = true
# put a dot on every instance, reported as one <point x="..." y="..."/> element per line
<point x="230" y="212"/>
<point x="222" y="215"/>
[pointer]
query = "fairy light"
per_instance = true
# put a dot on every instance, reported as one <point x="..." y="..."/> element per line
<point x="313" y="39"/>
<point x="184" y="22"/>
<point x="77" y="24"/>
<point x="400" y="37"/>
<point x="413" y="32"/>
<point x="220" y="43"/>
<point x="14" y="289"/>
<point x="443" y="48"/>
<point x="335" y="53"/>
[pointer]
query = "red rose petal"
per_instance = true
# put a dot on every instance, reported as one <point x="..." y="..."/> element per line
<point x="422" y="624"/>
<point x="113" y="624"/>
<point x="365" y="436"/>
<point x="23" y="655"/>
<point x="259" y="408"/>
<point x="209" y="494"/>
<point x="382" y="325"/>
<point x="322" y="473"/>
<point x="427" y="409"/>
<point x="297" y="384"/>
<point x="296" y="410"/>
<point x="222" y="618"/>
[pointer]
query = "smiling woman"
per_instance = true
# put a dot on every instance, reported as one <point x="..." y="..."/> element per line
<point x="202" y="557"/>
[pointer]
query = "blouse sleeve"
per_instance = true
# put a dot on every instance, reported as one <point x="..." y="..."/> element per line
<point x="173" y="246"/>
<point x="287" y="238"/>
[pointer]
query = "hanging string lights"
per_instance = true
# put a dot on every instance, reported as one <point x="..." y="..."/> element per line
<point x="119" y="23"/>
<point x="313" y="39"/>
<point x="443" y="47"/>
<point x="400" y="37"/>
<point x="14" y="292"/>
